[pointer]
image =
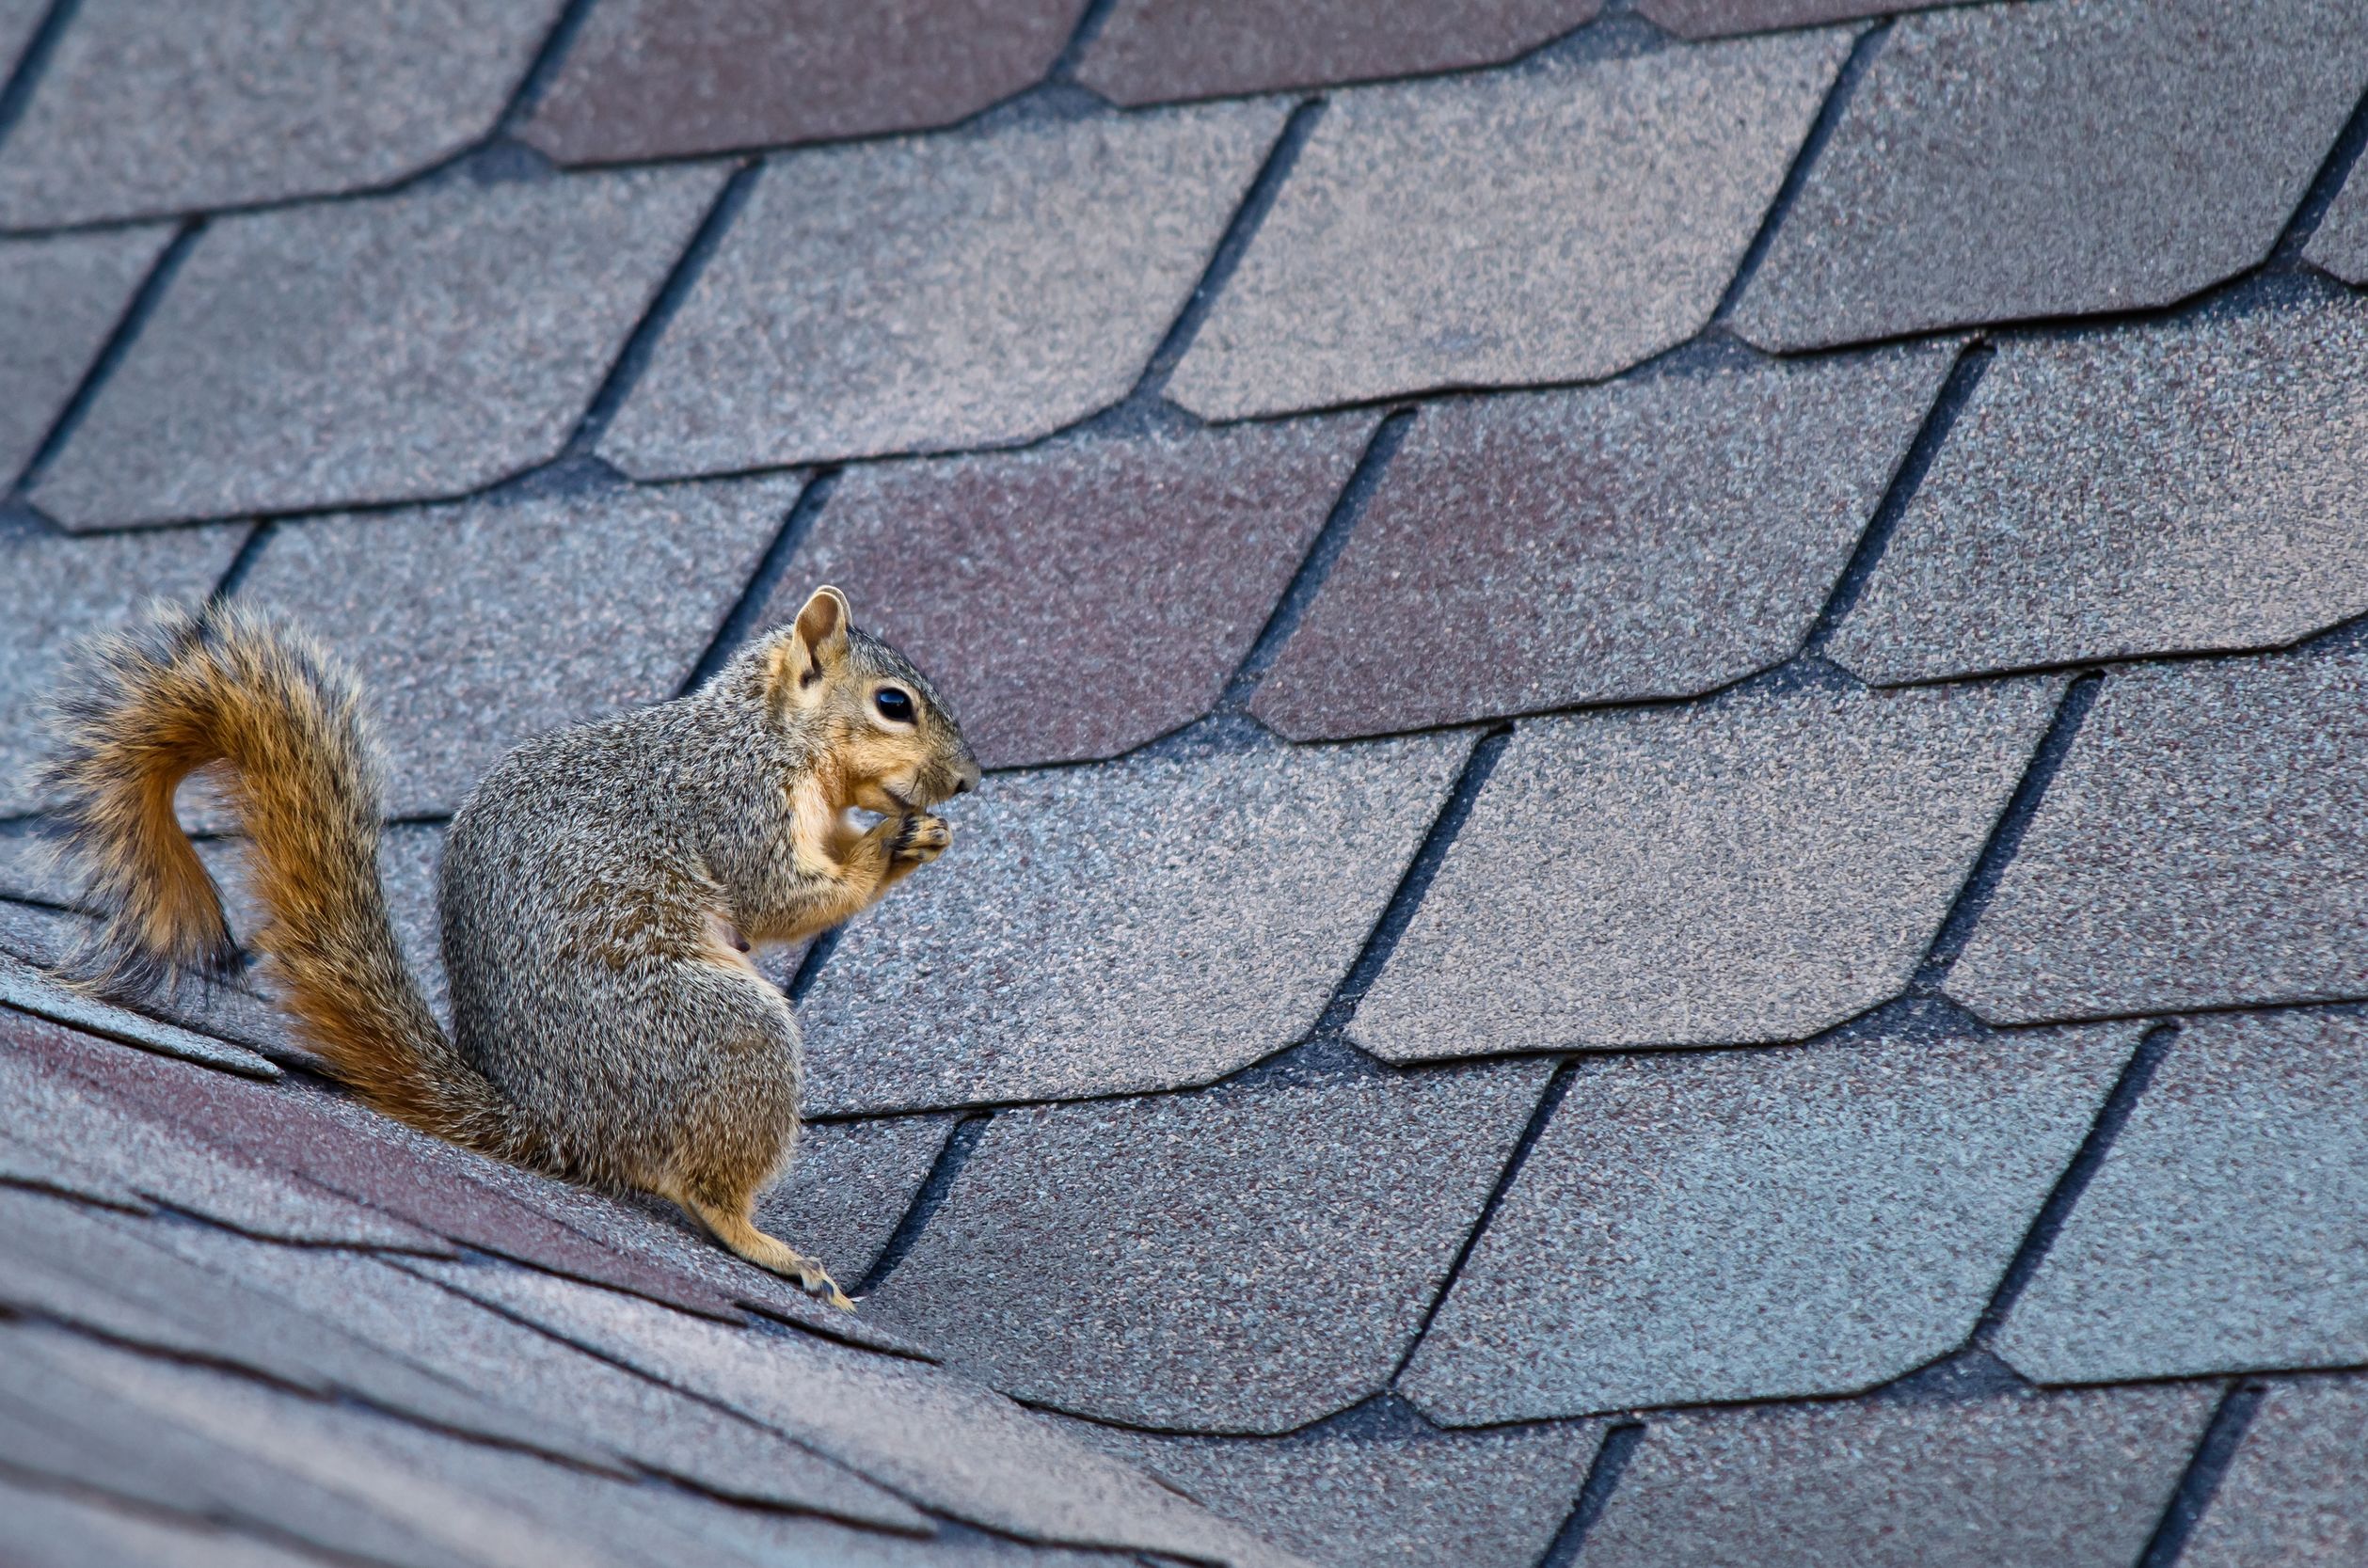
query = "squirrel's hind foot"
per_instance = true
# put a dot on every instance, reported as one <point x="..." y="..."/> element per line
<point x="736" y="1230"/>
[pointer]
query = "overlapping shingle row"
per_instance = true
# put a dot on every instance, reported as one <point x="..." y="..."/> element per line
<point x="1278" y="1080"/>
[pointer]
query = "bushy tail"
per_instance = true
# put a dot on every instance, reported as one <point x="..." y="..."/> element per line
<point x="186" y="690"/>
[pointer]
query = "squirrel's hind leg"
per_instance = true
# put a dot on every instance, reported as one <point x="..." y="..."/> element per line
<point x="730" y="1220"/>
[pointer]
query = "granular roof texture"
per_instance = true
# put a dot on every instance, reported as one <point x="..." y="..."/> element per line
<point x="1671" y="869"/>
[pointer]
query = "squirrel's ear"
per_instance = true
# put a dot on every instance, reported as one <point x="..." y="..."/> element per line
<point x="819" y="643"/>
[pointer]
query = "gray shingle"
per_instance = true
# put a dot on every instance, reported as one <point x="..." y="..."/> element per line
<point x="18" y="20"/>
<point x="2341" y="241"/>
<point x="54" y="1110"/>
<point x="103" y="1276"/>
<point x="2295" y="1492"/>
<point x="1084" y="597"/>
<point x="660" y="78"/>
<point x="1149" y="50"/>
<point x="27" y="989"/>
<point x="52" y="1530"/>
<point x="1711" y="19"/>
<point x="849" y="1186"/>
<point x="475" y="626"/>
<point x="2227" y="1228"/>
<point x="1248" y="1259"/>
<point x="1154" y="924"/>
<point x="397" y="349"/>
<point x="1690" y="528"/>
<point x="2076" y="1480"/>
<point x="153" y="106"/>
<point x="63" y="1415"/>
<point x="2160" y="489"/>
<point x="939" y="1440"/>
<point x="2204" y="842"/>
<point x="1751" y="870"/>
<point x="1553" y="224"/>
<point x="1759" y="1225"/>
<point x="929" y="295"/>
<point x="1365" y="1493"/>
<point x="2003" y="162"/>
<point x="54" y="590"/>
<point x="59" y="299"/>
<point x="578" y="1398"/>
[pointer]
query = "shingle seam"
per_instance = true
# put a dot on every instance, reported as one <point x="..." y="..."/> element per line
<point x="1090" y="22"/>
<point x="2200" y="1482"/>
<point x="119" y="340"/>
<point x="1595" y="1495"/>
<point x="1863" y="51"/>
<point x="962" y="1141"/>
<point x="250" y="549"/>
<point x="2120" y="1101"/>
<point x="2333" y="171"/>
<point x="1274" y="170"/>
<point x="16" y="91"/>
<point x="549" y="55"/>
<point x="2006" y="836"/>
<point x="633" y="358"/>
<point x="1956" y="391"/>
<point x="740" y="621"/>
<point x="1316" y="567"/>
<point x="1548" y="1101"/>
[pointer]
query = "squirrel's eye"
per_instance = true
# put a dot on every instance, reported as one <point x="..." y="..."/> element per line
<point x="894" y="705"/>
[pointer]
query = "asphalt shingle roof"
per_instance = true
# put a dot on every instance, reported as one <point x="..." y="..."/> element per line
<point x="1672" y="862"/>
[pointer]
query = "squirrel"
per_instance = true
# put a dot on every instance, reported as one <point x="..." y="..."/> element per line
<point x="599" y="891"/>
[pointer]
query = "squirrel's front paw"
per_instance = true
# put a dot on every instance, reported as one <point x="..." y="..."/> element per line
<point x="920" y="838"/>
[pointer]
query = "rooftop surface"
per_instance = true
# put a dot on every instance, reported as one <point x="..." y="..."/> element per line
<point x="1676" y="869"/>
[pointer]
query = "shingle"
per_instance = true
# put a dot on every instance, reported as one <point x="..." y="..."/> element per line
<point x="54" y="590"/>
<point x="2160" y="489"/>
<point x="1147" y="51"/>
<point x="1085" y="596"/>
<point x="2340" y="244"/>
<point x="2295" y="1492"/>
<point x="581" y="1398"/>
<point x="1367" y="1492"/>
<point x="1711" y="19"/>
<point x="1759" y="1225"/>
<point x="1145" y="925"/>
<point x="153" y="106"/>
<point x="103" y="1276"/>
<point x="942" y="1441"/>
<point x="933" y="294"/>
<point x="650" y="79"/>
<point x="2073" y="1479"/>
<point x="53" y="1108"/>
<point x="59" y="299"/>
<point x="338" y="1478"/>
<point x="398" y="349"/>
<point x="1553" y="224"/>
<point x="329" y="1142"/>
<point x="476" y="626"/>
<point x="1654" y="538"/>
<point x="27" y="989"/>
<point x="18" y="20"/>
<point x="1248" y="1259"/>
<point x="50" y="1529"/>
<point x="2225" y="1228"/>
<point x="2004" y="162"/>
<point x="1751" y="870"/>
<point x="650" y="1233"/>
<point x="848" y="1188"/>
<point x="2204" y="842"/>
<point x="62" y="1417"/>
